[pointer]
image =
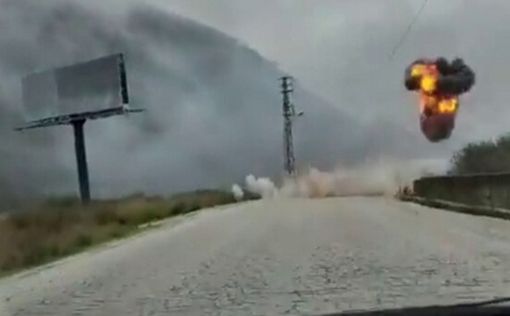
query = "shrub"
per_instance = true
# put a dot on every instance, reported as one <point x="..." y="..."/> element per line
<point x="62" y="226"/>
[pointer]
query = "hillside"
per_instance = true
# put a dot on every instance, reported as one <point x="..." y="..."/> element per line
<point x="213" y="105"/>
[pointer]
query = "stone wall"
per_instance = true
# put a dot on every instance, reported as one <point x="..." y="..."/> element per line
<point x="491" y="190"/>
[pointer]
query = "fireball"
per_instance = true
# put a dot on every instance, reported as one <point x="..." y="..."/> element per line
<point x="439" y="84"/>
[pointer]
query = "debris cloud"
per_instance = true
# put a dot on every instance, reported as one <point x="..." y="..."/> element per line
<point x="382" y="178"/>
<point x="237" y="192"/>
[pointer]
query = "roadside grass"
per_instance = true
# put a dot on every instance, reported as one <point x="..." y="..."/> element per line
<point x="59" y="227"/>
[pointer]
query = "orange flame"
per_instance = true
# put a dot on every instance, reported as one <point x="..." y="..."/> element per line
<point x="448" y="105"/>
<point x="439" y="105"/>
<point x="429" y="99"/>
<point x="428" y="76"/>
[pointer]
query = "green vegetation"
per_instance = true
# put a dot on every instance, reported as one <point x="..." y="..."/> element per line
<point x="62" y="226"/>
<point x="482" y="157"/>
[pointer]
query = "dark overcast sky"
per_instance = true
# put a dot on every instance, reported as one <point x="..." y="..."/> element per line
<point x="338" y="48"/>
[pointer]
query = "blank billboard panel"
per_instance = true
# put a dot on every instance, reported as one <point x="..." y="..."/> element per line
<point x="90" y="86"/>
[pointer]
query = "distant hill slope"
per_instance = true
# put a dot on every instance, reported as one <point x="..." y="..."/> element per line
<point x="213" y="104"/>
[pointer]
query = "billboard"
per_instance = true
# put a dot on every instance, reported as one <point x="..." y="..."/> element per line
<point x="91" y="86"/>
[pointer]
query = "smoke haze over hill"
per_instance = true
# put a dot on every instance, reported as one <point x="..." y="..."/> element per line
<point x="214" y="112"/>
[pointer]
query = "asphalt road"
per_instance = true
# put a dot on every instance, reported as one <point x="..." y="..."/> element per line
<point x="282" y="257"/>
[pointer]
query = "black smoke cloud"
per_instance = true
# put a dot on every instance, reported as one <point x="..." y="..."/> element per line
<point x="214" y="109"/>
<point x="455" y="77"/>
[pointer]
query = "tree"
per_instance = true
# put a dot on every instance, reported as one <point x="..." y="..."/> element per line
<point x="482" y="157"/>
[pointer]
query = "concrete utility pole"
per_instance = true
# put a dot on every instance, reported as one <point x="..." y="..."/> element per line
<point x="289" y="114"/>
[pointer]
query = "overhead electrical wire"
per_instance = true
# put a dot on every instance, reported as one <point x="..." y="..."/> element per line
<point x="408" y="30"/>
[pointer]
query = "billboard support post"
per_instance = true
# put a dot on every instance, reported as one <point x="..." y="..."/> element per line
<point x="81" y="160"/>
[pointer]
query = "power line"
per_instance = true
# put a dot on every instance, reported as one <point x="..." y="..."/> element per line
<point x="408" y="29"/>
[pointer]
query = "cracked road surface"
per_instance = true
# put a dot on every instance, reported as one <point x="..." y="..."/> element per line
<point x="281" y="257"/>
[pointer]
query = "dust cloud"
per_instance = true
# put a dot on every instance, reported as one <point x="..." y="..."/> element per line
<point x="237" y="191"/>
<point x="379" y="178"/>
